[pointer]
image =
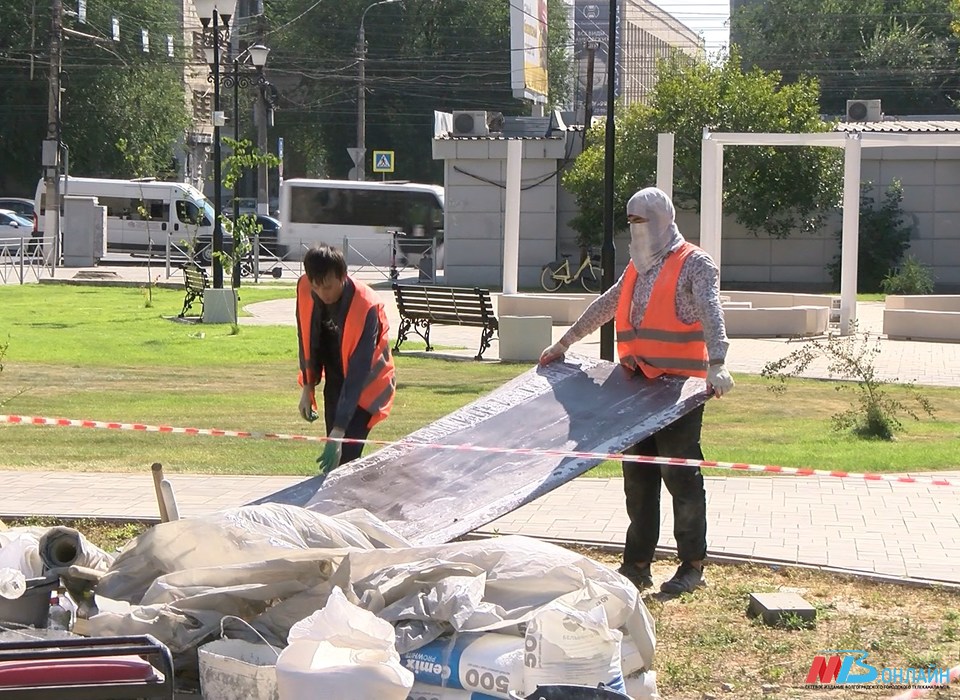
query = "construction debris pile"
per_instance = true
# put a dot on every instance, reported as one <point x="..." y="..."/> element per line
<point x="344" y="599"/>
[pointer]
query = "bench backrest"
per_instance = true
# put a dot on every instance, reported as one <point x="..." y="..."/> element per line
<point x="463" y="306"/>
<point x="195" y="278"/>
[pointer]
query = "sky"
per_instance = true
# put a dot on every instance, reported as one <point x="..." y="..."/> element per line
<point x="708" y="17"/>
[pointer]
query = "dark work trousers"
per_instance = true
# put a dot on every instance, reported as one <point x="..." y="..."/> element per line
<point x="641" y="485"/>
<point x="357" y="430"/>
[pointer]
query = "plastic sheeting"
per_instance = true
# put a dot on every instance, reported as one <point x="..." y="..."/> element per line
<point x="432" y="495"/>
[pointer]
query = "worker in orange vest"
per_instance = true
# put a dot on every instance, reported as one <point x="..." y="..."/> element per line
<point x="342" y="331"/>
<point x="668" y="320"/>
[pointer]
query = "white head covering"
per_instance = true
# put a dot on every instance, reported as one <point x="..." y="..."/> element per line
<point x="650" y="242"/>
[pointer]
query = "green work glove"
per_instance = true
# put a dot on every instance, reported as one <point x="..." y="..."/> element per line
<point x="330" y="458"/>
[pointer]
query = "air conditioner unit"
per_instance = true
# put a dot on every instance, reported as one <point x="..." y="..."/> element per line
<point x="864" y="111"/>
<point x="472" y="123"/>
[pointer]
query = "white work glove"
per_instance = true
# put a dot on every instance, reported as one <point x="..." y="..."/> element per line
<point x="719" y="379"/>
<point x="554" y="352"/>
<point x="306" y="404"/>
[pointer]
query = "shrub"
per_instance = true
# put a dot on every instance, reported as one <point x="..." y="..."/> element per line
<point x="884" y="238"/>
<point x="874" y="414"/>
<point x="912" y="277"/>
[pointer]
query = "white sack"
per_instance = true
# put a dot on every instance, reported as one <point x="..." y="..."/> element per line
<point x="342" y="651"/>
<point x="568" y="642"/>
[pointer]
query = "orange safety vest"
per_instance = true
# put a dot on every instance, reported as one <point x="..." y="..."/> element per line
<point x="381" y="383"/>
<point x="663" y="344"/>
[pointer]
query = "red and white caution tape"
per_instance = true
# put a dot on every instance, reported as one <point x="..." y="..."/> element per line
<point x="913" y="693"/>
<point x="615" y="456"/>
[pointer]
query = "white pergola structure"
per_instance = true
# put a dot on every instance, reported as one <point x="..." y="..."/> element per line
<point x="711" y="189"/>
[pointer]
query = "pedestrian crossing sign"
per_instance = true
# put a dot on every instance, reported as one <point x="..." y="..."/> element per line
<point x="383" y="161"/>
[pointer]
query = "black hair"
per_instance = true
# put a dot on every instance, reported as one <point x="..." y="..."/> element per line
<point x="319" y="262"/>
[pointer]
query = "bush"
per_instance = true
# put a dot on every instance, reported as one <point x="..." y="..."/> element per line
<point x="912" y="277"/>
<point x="884" y="238"/>
<point x="874" y="413"/>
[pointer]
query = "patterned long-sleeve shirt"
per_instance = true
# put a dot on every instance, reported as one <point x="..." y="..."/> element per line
<point x="697" y="299"/>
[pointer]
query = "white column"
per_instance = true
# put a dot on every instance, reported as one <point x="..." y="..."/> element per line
<point x="850" y="244"/>
<point x="665" y="163"/>
<point x="511" y="216"/>
<point x="711" y="196"/>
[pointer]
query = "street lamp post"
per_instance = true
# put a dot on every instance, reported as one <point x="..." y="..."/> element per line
<point x="362" y="93"/>
<point x="211" y="12"/>
<point x="257" y="53"/>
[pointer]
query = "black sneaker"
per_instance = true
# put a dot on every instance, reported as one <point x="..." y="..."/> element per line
<point x="639" y="576"/>
<point x="687" y="579"/>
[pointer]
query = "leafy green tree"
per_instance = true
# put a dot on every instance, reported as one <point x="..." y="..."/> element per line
<point x="772" y="190"/>
<point x="122" y="110"/>
<point x="900" y="51"/>
<point x="422" y="56"/>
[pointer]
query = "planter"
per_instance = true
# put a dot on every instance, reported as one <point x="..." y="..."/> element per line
<point x="220" y="305"/>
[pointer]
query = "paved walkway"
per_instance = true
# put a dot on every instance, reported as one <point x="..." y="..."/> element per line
<point x="881" y="529"/>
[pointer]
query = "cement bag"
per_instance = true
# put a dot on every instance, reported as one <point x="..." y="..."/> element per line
<point x="488" y="662"/>
<point x="566" y="645"/>
<point x="422" y="691"/>
<point x="342" y="651"/>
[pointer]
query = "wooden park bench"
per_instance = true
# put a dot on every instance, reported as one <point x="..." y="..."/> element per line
<point x="195" y="280"/>
<point x="422" y="306"/>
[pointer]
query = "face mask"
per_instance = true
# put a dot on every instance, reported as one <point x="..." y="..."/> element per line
<point x="640" y="247"/>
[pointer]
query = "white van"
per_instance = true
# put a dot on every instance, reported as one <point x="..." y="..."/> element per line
<point x="140" y="211"/>
<point x="362" y="214"/>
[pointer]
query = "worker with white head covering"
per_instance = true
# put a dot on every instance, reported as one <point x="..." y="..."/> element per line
<point x="668" y="320"/>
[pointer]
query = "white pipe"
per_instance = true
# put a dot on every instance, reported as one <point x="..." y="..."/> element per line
<point x="665" y="148"/>
<point x="850" y="244"/>
<point x="169" y="500"/>
<point x="511" y="217"/>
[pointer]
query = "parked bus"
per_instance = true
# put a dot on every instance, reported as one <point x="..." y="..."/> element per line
<point x="140" y="211"/>
<point x="363" y="214"/>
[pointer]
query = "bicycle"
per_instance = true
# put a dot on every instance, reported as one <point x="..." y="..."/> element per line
<point x="557" y="273"/>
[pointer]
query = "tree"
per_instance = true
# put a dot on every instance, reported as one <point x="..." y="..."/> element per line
<point x="122" y="111"/>
<point x="422" y="56"/>
<point x="902" y="52"/>
<point x="772" y="190"/>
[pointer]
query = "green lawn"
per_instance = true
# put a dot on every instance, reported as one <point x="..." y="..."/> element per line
<point x="101" y="353"/>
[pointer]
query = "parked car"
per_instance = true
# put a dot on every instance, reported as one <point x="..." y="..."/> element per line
<point x="25" y="208"/>
<point x="13" y="228"/>
<point x="270" y="227"/>
<point x="11" y="219"/>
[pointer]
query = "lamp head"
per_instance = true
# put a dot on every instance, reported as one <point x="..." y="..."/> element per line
<point x="206" y="8"/>
<point x="258" y="54"/>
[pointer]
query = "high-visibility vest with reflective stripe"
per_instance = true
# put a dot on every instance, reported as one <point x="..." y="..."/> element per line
<point x="663" y="344"/>
<point x="376" y="397"/>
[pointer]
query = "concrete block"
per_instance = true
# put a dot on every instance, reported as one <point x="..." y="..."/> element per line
<point x="773" y="607"/>
<point x="785" y="322"/>
<point x="915" y="324"/>
<point x="523" y="338"/>
<point x="562" y="309"/>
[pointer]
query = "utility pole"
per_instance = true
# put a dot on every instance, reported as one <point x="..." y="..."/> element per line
<point x="362" y="105"/>
<point x="50" y="156"/>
